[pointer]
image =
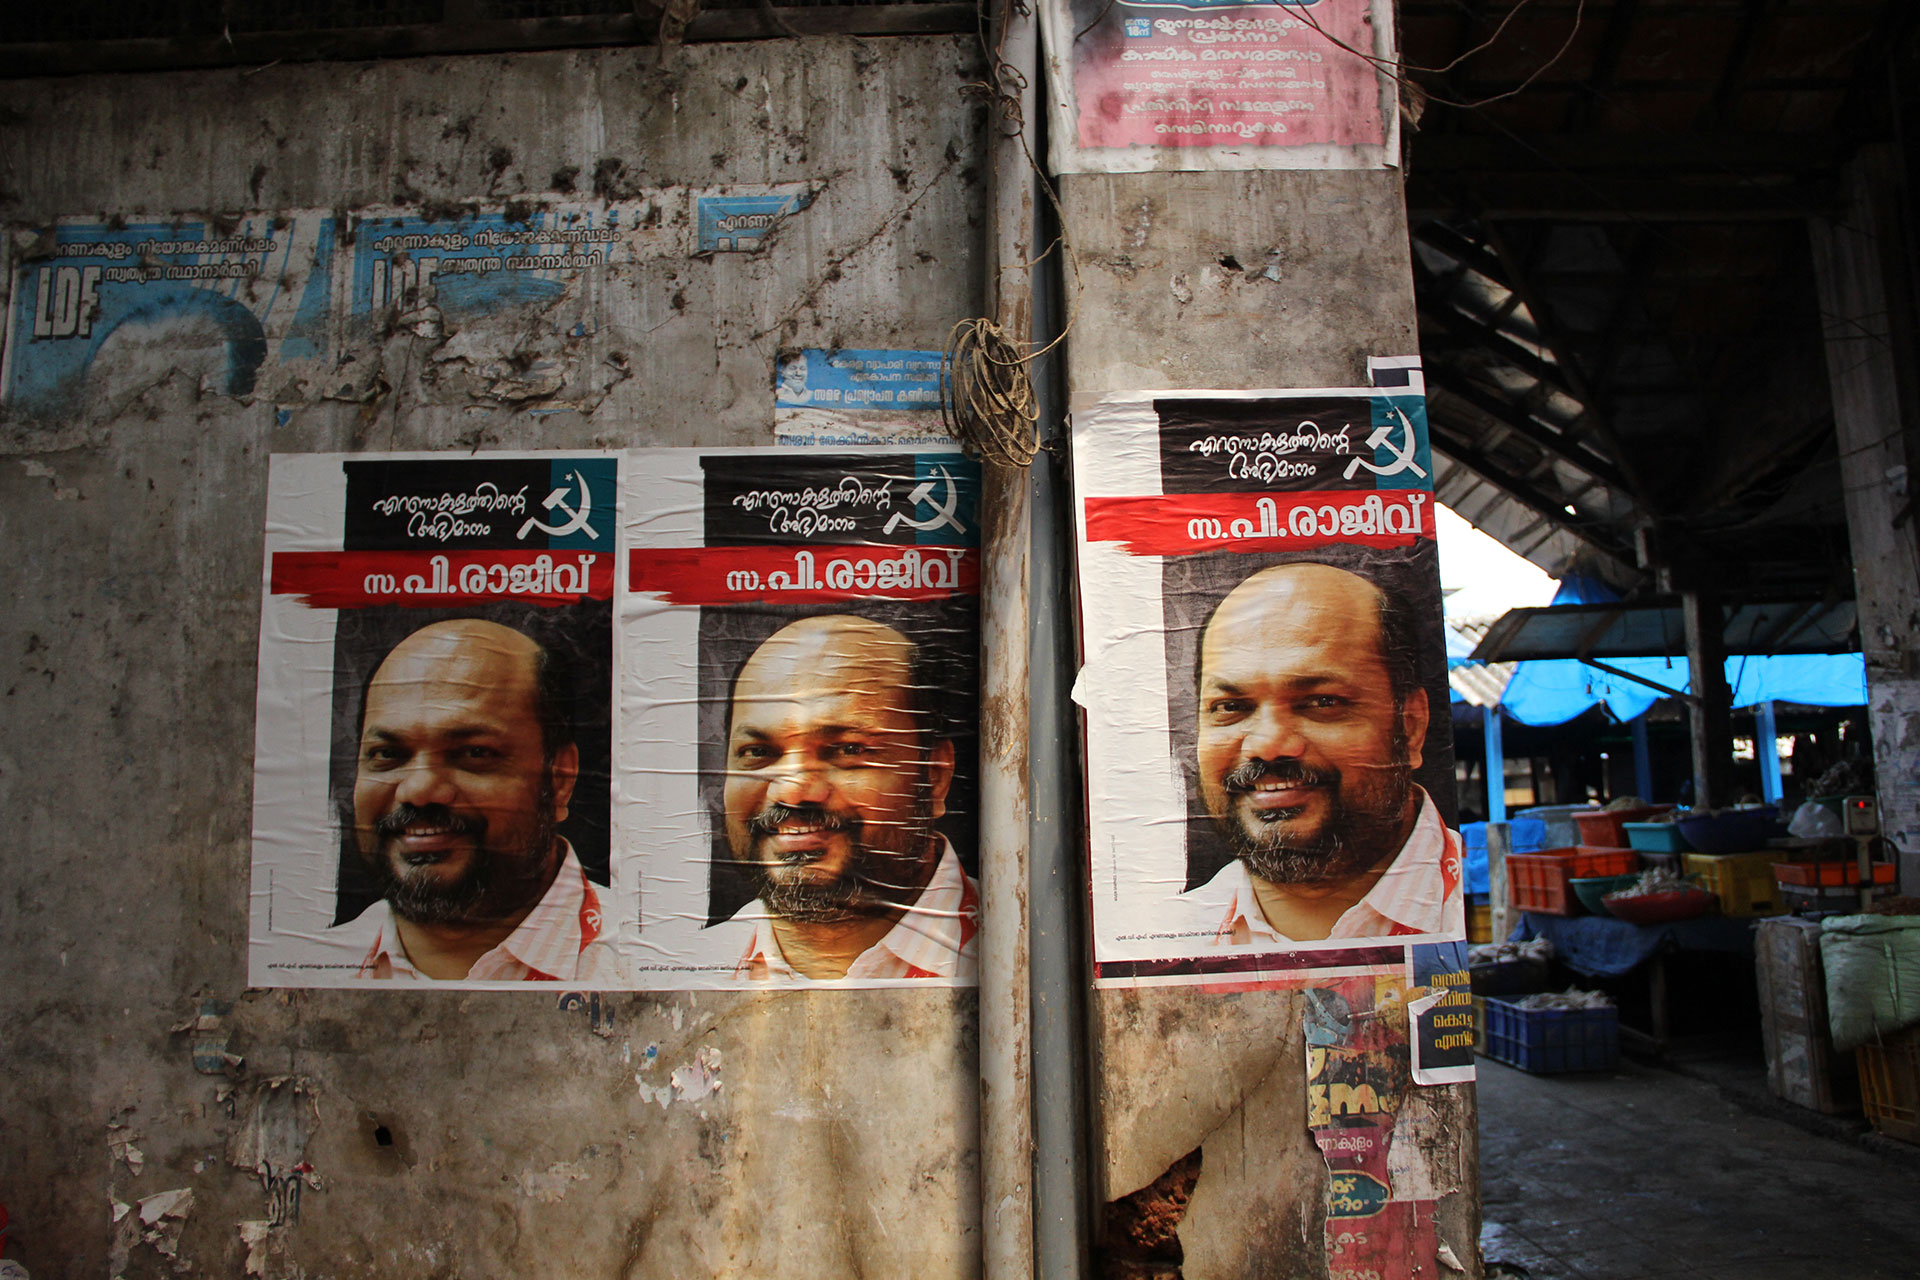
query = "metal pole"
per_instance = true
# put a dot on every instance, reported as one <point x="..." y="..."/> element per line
<point x="1496" y="765"/>
<point x="1061" y="1203"/>
<point x="1006" y="1066"/>
<point x="1642" y="760"/>
<point x="1766" y="749"/>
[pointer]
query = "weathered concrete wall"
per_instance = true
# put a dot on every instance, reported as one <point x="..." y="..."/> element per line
<point x="434" y="1134"/>
<point x="1224" y="281"/>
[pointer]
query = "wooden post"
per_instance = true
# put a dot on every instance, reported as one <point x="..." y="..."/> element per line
<point x="1710" y="710"/>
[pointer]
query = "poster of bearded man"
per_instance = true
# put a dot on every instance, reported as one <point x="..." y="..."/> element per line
<point x="432" y="750"/>
<point x="801" y="698"/>
<point x="1269" y="749"/>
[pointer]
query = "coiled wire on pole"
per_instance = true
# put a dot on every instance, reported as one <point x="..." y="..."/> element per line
<point x="986" y="395"/>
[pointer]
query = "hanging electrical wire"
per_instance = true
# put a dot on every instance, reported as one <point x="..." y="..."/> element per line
<point x="1397" y="72"/>
<point x="987" y="400"/>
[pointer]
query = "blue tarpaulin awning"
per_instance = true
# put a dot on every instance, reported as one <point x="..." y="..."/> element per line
<point x="1548" y="691"/>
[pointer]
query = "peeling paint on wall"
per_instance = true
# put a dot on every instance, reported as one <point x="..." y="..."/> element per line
<point x="693" y="1082"/>
<point x="277" y="1116"/>
<point x="156" y="1222"/>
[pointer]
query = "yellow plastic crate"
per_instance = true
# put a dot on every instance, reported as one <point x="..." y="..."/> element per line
<point x="1743" y="881"/>
<point x="1479" y="922"/>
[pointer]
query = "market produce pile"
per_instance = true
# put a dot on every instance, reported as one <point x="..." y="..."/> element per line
<point x="1571" y="998"/>
<point x="1499" y="952"/>
<point x="1655" y="880"/>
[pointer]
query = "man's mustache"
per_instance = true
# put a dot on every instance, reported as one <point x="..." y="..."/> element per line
<point x="396" y="820"/>
<point x="771" y="817"/>
<point x="1244" y="776"/>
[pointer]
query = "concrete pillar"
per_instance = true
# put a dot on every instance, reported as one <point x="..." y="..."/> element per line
<point x="1200" y="1096"/>
<point x="1863" y="265"/>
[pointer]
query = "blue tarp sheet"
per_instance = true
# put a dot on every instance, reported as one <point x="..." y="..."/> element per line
<point x="1555" y="690"/>
<point x="1604" y="947"/>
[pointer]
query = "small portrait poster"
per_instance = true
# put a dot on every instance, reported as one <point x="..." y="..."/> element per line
<point x="800" y="717"/>
<point x="1268" y="745"/>
<point x="432" y="769"/>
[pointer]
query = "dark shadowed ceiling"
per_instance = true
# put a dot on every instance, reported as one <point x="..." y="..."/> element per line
<point x="1609" y="204"/>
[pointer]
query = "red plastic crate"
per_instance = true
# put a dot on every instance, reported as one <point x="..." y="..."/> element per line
<point x="1601" y="828"/>
<point x="1830" y="873"/>
<point x="1538" y="881"/>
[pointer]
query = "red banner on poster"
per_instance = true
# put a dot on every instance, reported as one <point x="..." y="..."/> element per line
<point x="803" y="575"/>
<point x="423" y="580"/>
<point x="1187" y="523"/>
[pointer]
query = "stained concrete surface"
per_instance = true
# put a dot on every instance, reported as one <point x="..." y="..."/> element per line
<point x="1643" y="1173"/>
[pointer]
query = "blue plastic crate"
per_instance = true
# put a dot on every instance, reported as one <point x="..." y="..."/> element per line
<point x="1528" y="835"/>
<point x="1550" y="1041"/>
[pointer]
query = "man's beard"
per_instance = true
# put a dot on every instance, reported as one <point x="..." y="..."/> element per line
<point x="874" y="882"/>
<point x="496" y="883"/>
<point x="1360" y="828"/>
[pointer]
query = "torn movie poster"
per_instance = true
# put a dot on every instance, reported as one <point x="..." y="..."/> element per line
<point x="433" y="769"/>
<point x="1216" y="84"/>
<point x="800" y="717"/>
<point x="1269" y="752"/>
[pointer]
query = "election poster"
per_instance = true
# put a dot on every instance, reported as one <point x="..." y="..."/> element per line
<point x="100" y="308"/>
<point x="433" y="749"/>
<point x="293" y="306"/>
<point x="1268" y="748"/>
<point x="799" y="717"/>
<point x="1216" y="84"/>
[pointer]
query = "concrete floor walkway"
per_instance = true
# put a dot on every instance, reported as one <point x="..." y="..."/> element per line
<point x="1645" y="1174"/>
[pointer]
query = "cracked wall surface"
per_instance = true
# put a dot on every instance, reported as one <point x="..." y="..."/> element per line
<point x="352" y="1134"/>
